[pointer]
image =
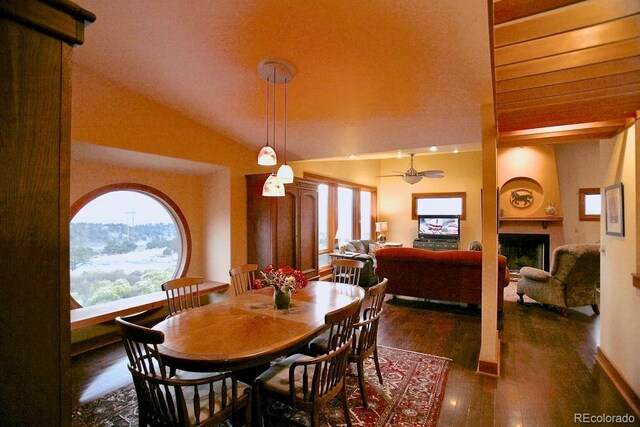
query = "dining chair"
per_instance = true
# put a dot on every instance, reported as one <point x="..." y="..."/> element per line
<point x="346" y="271"/>
<point x="182" y="293"/>
<point x="365" y="343"/>
<point x="242" y="276"/>
<point x="309" y="383"/>
<point x="185" y="399"/>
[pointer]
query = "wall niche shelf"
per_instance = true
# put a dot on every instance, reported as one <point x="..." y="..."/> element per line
<point x="542" y="219"/>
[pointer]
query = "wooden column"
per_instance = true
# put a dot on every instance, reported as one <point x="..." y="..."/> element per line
<point x="489" y="359"/>
<point x="635" y="279"/>
<point x="36" y="39"/>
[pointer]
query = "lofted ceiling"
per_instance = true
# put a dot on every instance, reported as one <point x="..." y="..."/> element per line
<point x="374" y="77"/>
<point x="370" y="75"/>
<point x="565" y="70"/>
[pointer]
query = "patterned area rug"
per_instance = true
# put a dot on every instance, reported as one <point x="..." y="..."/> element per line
<point x="411" y="395"/>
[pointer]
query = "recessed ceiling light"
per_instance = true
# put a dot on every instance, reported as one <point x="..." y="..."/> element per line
<point x="433" y="148"/>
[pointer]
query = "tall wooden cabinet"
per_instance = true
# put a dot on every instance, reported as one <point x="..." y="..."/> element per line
<point x="283" y="230"/>
<point x="36" y="40"/>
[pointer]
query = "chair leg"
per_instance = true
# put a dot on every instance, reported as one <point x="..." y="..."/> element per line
<point x="315" y="418"/>
<point x="595" y="308"/>
<point x="261" y="405"/>
<point x="521" y="296"/>
<point x="375" y="360"/>
<point x="345" y="406"/>
<point x="361" y="383"/>
<point x="249" y="409"/>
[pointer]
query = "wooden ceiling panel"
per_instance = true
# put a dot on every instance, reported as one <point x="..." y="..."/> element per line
<point x="508" y="10"/>
<point x="580" y="15"/>
<point x="565" y="63"/>
<point x="619" y="66"/>
<point x="583" y="38"/>
<point x="576" y="87"/>
<point x="559" y="117"/>
<point x="577" y="58"/>
<point x="576" y="100"/>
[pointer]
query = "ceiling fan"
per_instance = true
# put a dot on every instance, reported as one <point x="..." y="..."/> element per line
<point x="412" y="176"/>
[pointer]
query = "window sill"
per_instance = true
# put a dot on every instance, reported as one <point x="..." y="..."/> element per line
<point x="92" y="315"/>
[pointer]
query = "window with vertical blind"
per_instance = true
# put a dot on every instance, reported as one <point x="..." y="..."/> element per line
<point x="346" y="211"/>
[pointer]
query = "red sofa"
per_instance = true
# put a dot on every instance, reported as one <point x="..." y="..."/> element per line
<point x="438" y="275"/>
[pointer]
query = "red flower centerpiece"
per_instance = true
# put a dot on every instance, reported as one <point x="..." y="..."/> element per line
<point x="284" y="280"/>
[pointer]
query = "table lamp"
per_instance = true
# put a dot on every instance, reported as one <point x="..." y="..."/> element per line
<point x="380" y="228"/>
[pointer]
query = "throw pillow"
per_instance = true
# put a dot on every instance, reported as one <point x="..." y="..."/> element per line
<point x="359" y="246"/>
<point x="350" y="247"/>
<point x="373" y="248"/>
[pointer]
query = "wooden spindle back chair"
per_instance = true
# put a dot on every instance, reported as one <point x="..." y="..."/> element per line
<point x="366" y="335"/>
<point x="346" y="271"/>
<point x="309" y="383"/>
<point x="183" y="293"/>
<point x="185" y="399"/>
<point x="242" y="276"/>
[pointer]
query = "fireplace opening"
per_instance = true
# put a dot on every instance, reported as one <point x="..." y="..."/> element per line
<point x="525" y="250"/>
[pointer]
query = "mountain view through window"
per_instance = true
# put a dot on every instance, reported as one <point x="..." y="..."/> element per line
<point x="122" y="244"/>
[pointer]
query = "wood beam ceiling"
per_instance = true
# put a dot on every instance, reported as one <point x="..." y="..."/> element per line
<point x="565" y="70"/>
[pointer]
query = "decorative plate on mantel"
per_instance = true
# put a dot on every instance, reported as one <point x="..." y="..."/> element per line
<point x="521" y="196"/>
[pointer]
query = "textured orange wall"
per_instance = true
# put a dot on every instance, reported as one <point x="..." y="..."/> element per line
<point x="113" y="116"/>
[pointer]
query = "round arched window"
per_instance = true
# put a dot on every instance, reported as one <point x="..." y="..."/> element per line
<point x="125" y="240"/>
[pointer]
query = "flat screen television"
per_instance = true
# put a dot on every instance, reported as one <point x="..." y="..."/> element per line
<point x="439" y="227"/>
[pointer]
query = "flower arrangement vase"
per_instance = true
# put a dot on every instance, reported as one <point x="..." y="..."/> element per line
<point x="281" y="298"/>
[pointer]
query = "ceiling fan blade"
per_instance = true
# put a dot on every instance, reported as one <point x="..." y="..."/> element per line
<point x="435" y="173"/>
<point x="387" y="176"/>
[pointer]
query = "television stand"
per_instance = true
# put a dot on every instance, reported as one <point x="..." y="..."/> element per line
<point x="436" y="244"/>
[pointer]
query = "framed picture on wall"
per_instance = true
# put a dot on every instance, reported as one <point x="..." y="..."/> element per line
<point x="614" y="209"/>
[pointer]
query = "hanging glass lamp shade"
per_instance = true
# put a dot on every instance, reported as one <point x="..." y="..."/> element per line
<point x="285" y="173"/>
<point x="273" y="187"/>
<point x="267" y="156"/>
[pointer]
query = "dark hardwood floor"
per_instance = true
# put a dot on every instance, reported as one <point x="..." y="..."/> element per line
<point x="548" y="369"/>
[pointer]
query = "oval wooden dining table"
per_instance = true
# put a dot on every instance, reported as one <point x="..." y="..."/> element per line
<point x="246" y="330"/>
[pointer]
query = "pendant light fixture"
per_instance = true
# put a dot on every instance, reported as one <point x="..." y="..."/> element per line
<point x="273" y="186"/>
<point x="275" y="72"/>
<point x="267" y="154"/>
<point x="285" y="173"/>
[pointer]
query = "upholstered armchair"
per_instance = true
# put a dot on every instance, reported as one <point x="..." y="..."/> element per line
<point x="572" y="282"/>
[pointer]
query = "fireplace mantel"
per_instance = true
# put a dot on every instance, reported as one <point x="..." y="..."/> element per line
<point x="542" y="219"/>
